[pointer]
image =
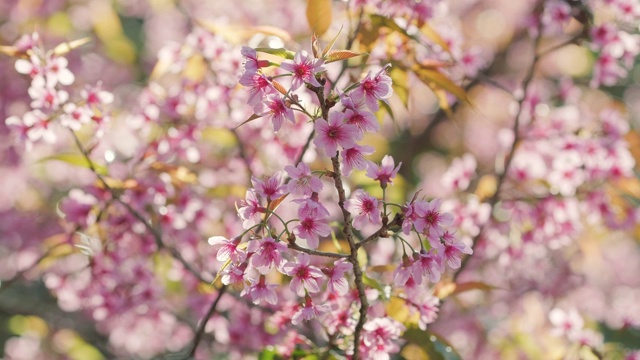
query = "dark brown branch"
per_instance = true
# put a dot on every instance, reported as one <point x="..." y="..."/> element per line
<point x="316" y="252"/>
<point x="353" y="257"/>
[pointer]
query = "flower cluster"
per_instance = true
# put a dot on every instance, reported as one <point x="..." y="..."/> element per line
<point x="49" y="99"/>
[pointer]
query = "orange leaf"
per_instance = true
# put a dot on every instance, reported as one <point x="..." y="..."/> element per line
<point x="251" y="118"/>
<point x="275" y="203"/>
<point x="337" y="55"/>
<point x="279" y="87"/>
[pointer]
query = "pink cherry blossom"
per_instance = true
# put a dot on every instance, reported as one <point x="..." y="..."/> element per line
<point x="459" y="174"/>
<point x="383" y="173"/>
<point x="234" y="274"/>
<point x="251" y="62"/>
<point x="302" y="181"/>
<point x="259" y="87"/>
<point x="364" y="121"/>
<point x="404" y="272"/>
<point x="267" y="253"/>
<point x="304" y="69"/>
<point x="337" y="282"/>
<point x="373" y="88"/>
<point x="378" y="340"/>
<point x="271" y="188"/>
<point x="228" y="249"/>
<point x="429" y="263"/>
<point x="276" y="110"/>
<point x="353" y="158"/>
<point x="430" y="220"/>
<point x="303" y="275"/>
<point x="333" y="133"/>
<point x="567" y="323"/>
<point x="75" y="116"/>
<point x="47" y="97"/>
<point x="312" y="225"/>
<point x="453" y="250"/>
<point x="261" y="291"/>
<point x="250" y="210"/>
<point x="309" y="311"/>
<point x="364" y="207"/>
<point x="427" y="306"/>
<point x="96" y="96"/>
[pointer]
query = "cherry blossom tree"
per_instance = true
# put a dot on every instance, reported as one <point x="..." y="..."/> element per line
<point x="319" y="179"/>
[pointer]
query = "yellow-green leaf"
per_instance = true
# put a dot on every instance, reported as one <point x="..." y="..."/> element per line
<point x="434" y="78"/>
<point x="280" y="52"/>
<point x="400" y="84"/>
<point x="65" y="47"/>
<point x="329" y="46"/>
<point x="436" y="347"/>
<point x="429" y="32"/>
<point x="319" y="15"/>
<point x="77" y="160"/>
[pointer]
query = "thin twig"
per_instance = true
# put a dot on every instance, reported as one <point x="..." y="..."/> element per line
<point x="397" y="221"/>
<point x="201" y="327"/>
<point x="509" y="157"/>
<point x="157" y="236"/>
<point x="316" y="252"/>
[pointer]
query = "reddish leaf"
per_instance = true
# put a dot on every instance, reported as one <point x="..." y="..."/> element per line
<point x="281" y="89"/>
<point x="273" y="205"/>
<point x="251" y="118"/>
<point x="337" y="55"/>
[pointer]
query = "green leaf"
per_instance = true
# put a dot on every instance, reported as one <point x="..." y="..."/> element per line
<point x="436" y="347"/>
<point x="387" y="108"/>
<point x="267" y="354"/>
<point x="280" y="52"/>
<point x="77" y="160"/>
<point x="64" y="48"/>
<point x="400" y="83"/>
<point x="379" y="20"/>
<point x="627" y="337"/>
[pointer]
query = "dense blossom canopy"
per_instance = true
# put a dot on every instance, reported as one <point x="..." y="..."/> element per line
<point x="378" y="179"/>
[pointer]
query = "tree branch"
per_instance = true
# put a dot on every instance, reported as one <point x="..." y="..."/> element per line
<point x="203" y="323"/>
